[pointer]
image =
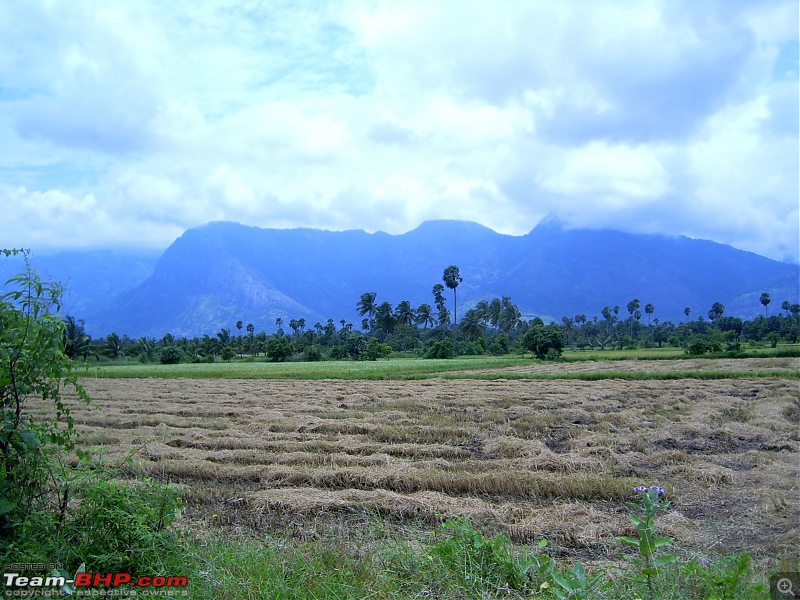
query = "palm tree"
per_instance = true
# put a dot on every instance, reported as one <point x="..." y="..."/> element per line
<point x="384" y="316"/>
<point x="716" y="311"/>
<point x="404" y="313"/>
<point x="425" y="315"/>
<point x="649" y="309"/>
<point x="443" y="318"/>
<point x="633" y="307"/>
<point x="76" y="342"/>
<point x="687" y="311"/>
<point x="452" y="278"/>
<point x="472" y="325"/>
<point x="510" y="318"/>
<point x="765" y="300"/>
<point x="495" y="310"/>
<point x="786" y="306"/>
<point x="367" y="306"/>
<point x="438" y="296"/>
<point x="113" y="345"/>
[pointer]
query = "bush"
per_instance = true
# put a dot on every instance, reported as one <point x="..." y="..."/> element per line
<point x="376" y="350"/>
<point x="545" y="341"/>
<point x="312" y="353"/>
<point x="49" y="512"/>
<point x="33" y="362"/>
<point x="279" y="348"/>
<point x="441" y="349"/>
<point x="171" y="355"/>
<point x="123" y="527"/>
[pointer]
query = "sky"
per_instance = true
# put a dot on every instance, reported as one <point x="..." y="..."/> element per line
<point x="123" y="123"/>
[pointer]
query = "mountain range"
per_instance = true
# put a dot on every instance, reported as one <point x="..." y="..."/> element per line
<point x="219" y="273"/>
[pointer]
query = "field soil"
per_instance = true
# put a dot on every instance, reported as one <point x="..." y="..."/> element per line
<point x="553" y="459"/>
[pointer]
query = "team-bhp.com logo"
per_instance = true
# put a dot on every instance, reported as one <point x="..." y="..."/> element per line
<point x="88" y="584"/>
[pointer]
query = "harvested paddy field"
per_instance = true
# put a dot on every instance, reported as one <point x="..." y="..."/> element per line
<point x="553" y="459"/>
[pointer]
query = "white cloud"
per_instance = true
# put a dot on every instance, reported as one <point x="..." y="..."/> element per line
<point x="132" y="121"/>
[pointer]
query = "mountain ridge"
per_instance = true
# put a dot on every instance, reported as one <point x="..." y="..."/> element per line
<point x="221" y="272"/>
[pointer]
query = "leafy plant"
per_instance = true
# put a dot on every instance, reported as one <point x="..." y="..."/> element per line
<point x="724" y="580"/>
<point x="575" y="583"/>
<point x="490" y="564"/>
<point x="32" y="363"/>
<point x="652" y="500"/>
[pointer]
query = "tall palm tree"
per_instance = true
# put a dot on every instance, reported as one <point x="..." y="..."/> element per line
<point x="452" y="278"/>
<point x="495" y="311"/>
<point x="76" y="341"/>
<point x="112" y="345"/>
<point x="472" y="325"/>
<point x="438" y="296"/>
<point x="649" y="309"/>
<point x="482" y="308"/>
<point x="425" y="315"/>
<point x="366" y="305"/>
<point x="765" y="300"/>
<point x="510" y="318"/>
<point x="404" y="313"/>
<point x="384" y="317"/>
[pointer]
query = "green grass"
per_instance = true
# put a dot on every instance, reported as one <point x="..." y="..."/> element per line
<point x="381" y="369"/>
<point x="418" y="368"/>
<point x="381" y="562"/>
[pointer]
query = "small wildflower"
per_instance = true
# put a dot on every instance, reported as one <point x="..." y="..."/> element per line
<point x="544" y="585"/>
<point x="658" y="490"/>
<point x="215" y="516"/>
<point x="640" y="489"/>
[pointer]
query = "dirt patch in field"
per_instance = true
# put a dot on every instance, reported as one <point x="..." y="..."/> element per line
<point x="535" y="458"/>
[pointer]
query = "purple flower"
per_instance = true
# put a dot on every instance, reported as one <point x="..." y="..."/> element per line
<point x="640" y="490"/>
<point x="660" y="491"/>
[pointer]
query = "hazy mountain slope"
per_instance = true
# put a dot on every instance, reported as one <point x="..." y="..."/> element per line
<point x="217" y="274"/>
<point x="91" y="280"/>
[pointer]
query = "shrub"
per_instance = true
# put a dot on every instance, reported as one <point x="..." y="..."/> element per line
<point x="312" y="353"/>
<point x="545" y="341"/>
<point x="441" y="349"/>
<point x="171" y="355"/>
<point x="279" y="348"/>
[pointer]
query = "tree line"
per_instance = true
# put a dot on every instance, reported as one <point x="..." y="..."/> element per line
<point x="494" y="326"/>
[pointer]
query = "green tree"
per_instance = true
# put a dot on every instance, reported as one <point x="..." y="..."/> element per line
<point x="438" y="296"/>
<point x="279" y="348"/>
<point x="452" y="278"/>
<point x="404" y="313"/>
<point x="471" y="325"/>
<point x="425" y="315"/>
<point x="384" y="317"/>
<point x="545" y="341"/>
<point x="113" y="346"/>
<point x="366" y="305"/>
<point x="687" y="311"/>
<point x="716" y="311"/>
<point x="76" y="342"/>
<point x="33" y="362"/>
<point x="649" y="309"/>
<point x="765" y="300"/>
